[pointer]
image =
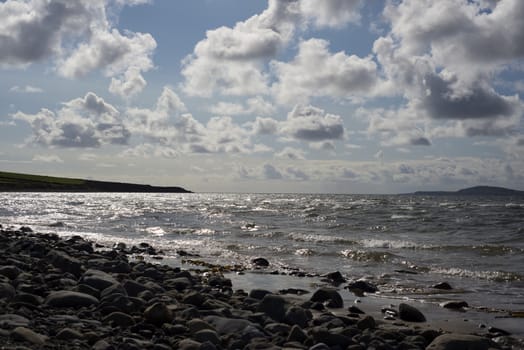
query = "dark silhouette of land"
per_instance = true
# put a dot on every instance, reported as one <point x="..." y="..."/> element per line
<point x="15" y="182"/>
<point x="474" y="191"/>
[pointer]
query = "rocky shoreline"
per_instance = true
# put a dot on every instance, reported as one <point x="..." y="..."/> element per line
<point x="74" y="294"/>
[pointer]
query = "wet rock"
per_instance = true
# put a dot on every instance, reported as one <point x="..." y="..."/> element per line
<point x="26" y="334"/>
<point x="207" y="335"/>
<point x="363" y="286"/>
<point x="224" y="325"/>
<point x="188" y="344"/>
<point x="296" y="334"/>
<point x="197" y="325"/>
<point x="454" y="305"/>
<point x="367" y="322"/>
<point x="355" y="310"/>
<point x="28" y="298"/>
<point x="410" y="313"/>
<point x="295" y="315"/>
<point x="133" y="288"/>
<point x="498" y="331"/>
<point x="460" y="342"/>
<point x="442" y="286"/>
<point x="329" y="296"/>
<point x="258" y="293"/>
<point x="274" y="306"/>
<point x="158" y="314"/>
<point x="335" y="277"/>
<point x="66" y="298"/>
<point x="260" y="262"/>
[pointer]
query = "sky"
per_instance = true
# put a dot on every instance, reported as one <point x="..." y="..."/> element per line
<point x="312" y="96"/>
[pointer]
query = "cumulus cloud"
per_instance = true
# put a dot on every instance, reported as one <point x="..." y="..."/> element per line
<point x="87" y="122"/>
<point x="311" y="124"/>
<point x="316" y="72"/>
<point x="230" y="60"/>
<point x="291" y="154"/>
<point x="271" y="173"/>
<point x="331" y="13"/>
<point x="78" y="37"/>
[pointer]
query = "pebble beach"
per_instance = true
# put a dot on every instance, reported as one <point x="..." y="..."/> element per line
<point x="71" y="293"/>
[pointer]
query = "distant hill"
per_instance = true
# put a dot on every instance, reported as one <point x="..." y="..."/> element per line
<point x="15" y="182"/>
<point x="474" y="191"/>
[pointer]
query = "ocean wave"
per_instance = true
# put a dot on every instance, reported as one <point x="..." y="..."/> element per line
<point x="318" y="238"/>
<point x="367" y="256"/>
<point x="497" y="276"/>
<point x="391" y="244"/>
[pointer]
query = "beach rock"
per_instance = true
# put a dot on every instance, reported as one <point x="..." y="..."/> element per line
<point x="460" y="342"/>
<point x="296" y="334"/>
<point x="97" y="279"/>
<point x="335" y="277"/>
<point x="158" y="314"/>
<point x="7" y="291"/>
<point x="322" y="335"/>
<point x="363" y="286"/>
<point x="410" y="313"/>
<point x="367" y="322"/>
<point x="295" y="315"/>
<point x="133" y="288"/>
<point x="13" y="321"/>
<point x="10" y="271"/>
<point x="66" y="298"/>
<point x="454" y="305"/>
<point x="25" y="334"/>
<point x="188" y="344"/>
<point x="197" y="325"/>
<point x="329" y="296"/>
<point x="274" y="306"/>
<point x="258" y="293"/>
<point x="260" y="262"/>
<point x="205" y="335"/>
<point x="69" y="334"/>
<point x="64" y="262"/>
<point x="119" y="319"/>
<point x="225" y="325"/>
<point x="442" y="286"/>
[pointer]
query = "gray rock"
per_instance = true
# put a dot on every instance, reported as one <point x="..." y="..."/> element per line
<point x="454" y="305"/>
<point x="410" y="313"/>
<point x="225" y="325"/>
<point x="188" y="344"/>
<point x="28" y="299"/>
<point x="69" y="334"/>
<point x="25" y="334"/>
<point x="10" y="271"/>
<point x="207" y="335"/>
<point x="442" y="286"/>
<point x="7" y="291"/>
<point x="158" y="314"/>
<point x="119" y="319"/>
<point x="367" y="322"/>
<point x="277" y="328"/>
<point x="66" y="298"/>
<point x="258" y="293"/>
<point x="274" y="306"/>
<point x="98" y="279"/>
<point x="295" y="315"/>
<point x="102" y="345"/>
<point x="197" y="325"/>
<point x="296" y="334"/>
<point x="460" y="342"/>
<point x="329" y="296"/>
<point x="13" y="321"/>
<point x="362" y="286"/>
<point x="133" y="288"/>
<point x="65" y="263"/>
<point x="322" y="335"/>
<point x="261" y="262"/>
<point x="180" y="283"/>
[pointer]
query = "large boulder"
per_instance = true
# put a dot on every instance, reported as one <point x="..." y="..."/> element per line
<point x="98" y="279"/>
<point x="410" y="313"/>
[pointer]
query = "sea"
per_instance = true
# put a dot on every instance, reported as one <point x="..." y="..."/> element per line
<point x="401" y="243"/>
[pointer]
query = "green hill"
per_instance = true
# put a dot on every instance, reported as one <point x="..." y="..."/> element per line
<point x="15" y="182"/>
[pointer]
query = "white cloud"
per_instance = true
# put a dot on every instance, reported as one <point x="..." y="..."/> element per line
<point x="316" y="72"/>
<point x="331" y="13"/>
<point x="230" y="60"/>
<point x="28" y="89"/>
<point x="78" y="37"/>
<point x="271" y="173"/>
<point x="291" y="153"/>
<point x="87" y="122"/>
<point x="311" y="124"/>
<point x="253" y="106"/>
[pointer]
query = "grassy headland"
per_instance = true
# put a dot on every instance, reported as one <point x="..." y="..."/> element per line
<point x="16" y="182"/>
